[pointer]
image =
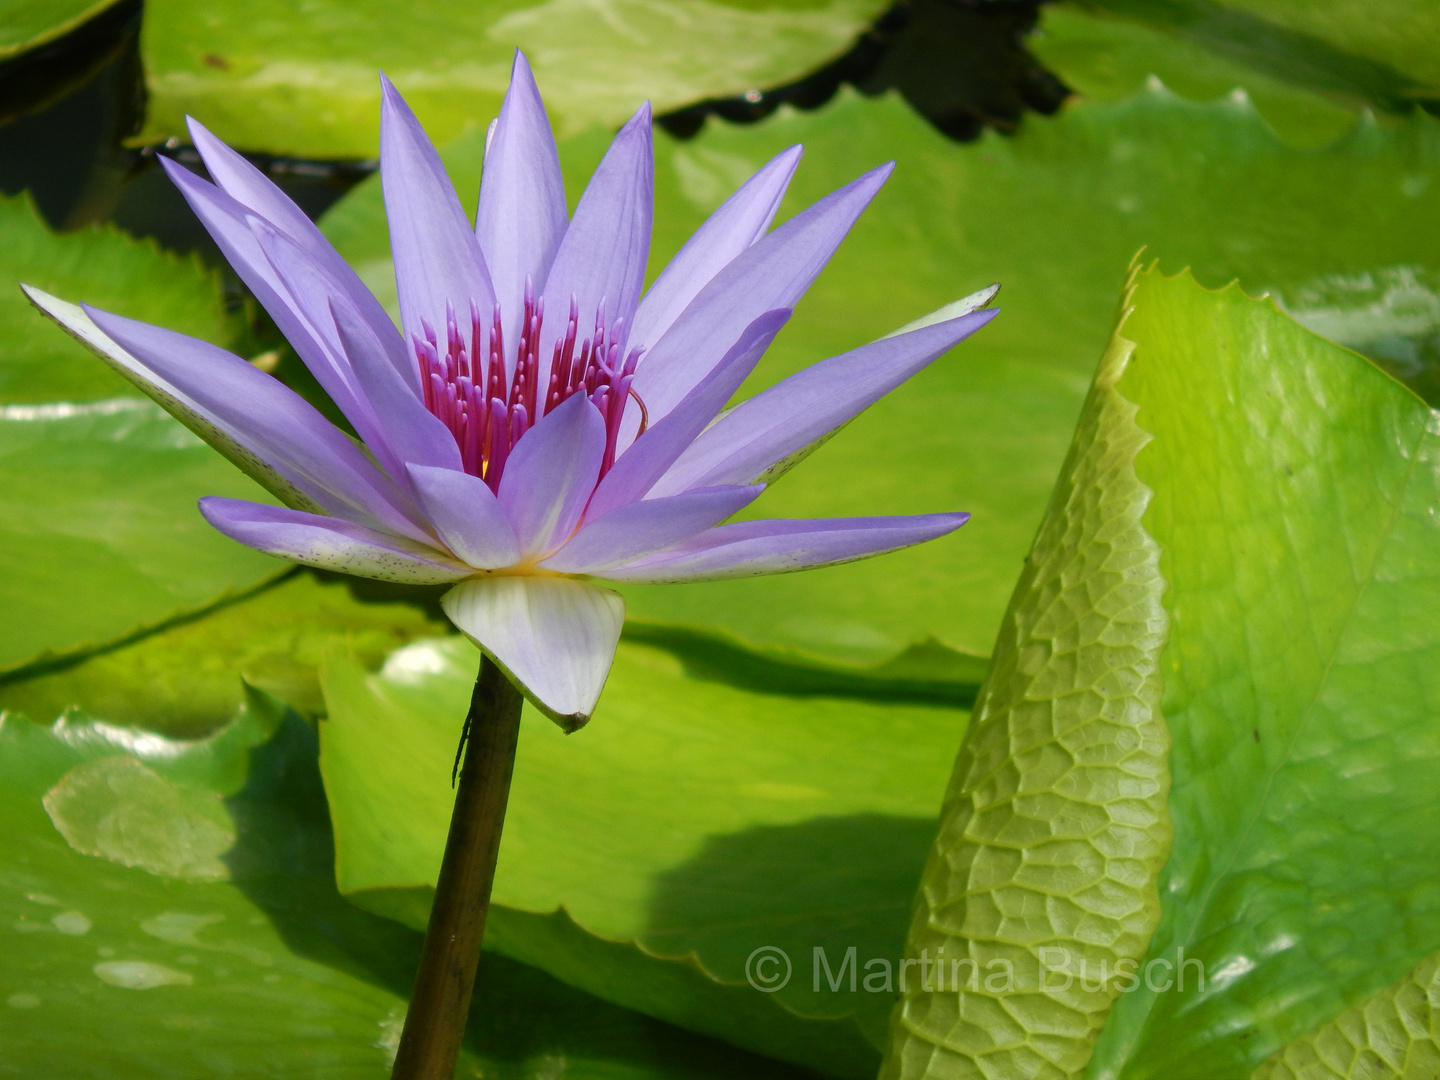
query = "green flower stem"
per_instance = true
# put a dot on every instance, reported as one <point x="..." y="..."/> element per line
<point x="440" y="1002"/>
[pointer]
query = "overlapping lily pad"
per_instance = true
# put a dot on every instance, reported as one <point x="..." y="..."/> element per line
<point x="1107" y="57"/>
<point x="1382" y="54"/>
<point x="301" y="80"/>
<point x="649" y="857"/>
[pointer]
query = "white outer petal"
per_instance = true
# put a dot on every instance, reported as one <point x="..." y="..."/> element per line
<point x="554" y="637"/>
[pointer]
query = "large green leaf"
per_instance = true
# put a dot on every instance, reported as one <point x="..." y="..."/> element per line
<point x="99" y="534"/>
<point x="1054" y="214"/>
<point x="172" y="914"/>
<point x="98" y="266"/>
<point x="302" y="79"/>
<point x="1294" y="500"/>
<point x="646" y="859"/>
<point x="1297" y="502"/>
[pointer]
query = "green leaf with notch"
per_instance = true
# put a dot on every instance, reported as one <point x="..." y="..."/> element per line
<point x="1381" y="54"/>
<point x="181" y="681"/>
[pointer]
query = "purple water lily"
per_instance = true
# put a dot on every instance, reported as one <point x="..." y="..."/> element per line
<point x="536" y="423"/>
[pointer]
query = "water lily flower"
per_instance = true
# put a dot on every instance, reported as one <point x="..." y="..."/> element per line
<point x="535" y="423"/>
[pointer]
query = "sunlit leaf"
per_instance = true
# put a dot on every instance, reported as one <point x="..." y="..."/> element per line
<point x="302" y="79"/>
<point x="1055" y="825"/>
<point x="1297" y="501"/>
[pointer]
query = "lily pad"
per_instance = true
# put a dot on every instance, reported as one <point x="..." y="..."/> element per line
<point x="689" y="829"/>
<point x="302" y="80"/>
<point x="104" y="267"/>
<point x="122" y="961"/>
<point x="1292" y="492"/>
<point x="99" y="533"/>
<point x="1055" y="825"/>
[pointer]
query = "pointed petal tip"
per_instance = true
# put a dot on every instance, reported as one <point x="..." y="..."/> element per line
<point x="390" y="96"/>
<point x="641" y="120"/>
<point x="178" y="174"/>
<point x="200" y="134"/>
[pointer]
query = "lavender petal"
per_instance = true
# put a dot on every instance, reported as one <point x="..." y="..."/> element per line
<point x="265" y="429"/>
<point x="437" y="258"/>
<point x="254" y="191"/>
<point x="772" y="273"/>
<point x="412" y="434"/>
<point x="741" y="220"/>
<point x="638" y="468"/>
<point x="229" y="223"/>
<point x="522" y="215"/>
<point x="752" y="548"/>
<point x="602" y="256"/>
<point x="796" y="412"/>
<point x="467" y="516"/>
<point x="551" y="473"/>
<point x="329" y="543"/>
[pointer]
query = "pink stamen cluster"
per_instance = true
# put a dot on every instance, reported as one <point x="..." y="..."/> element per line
<point x="466" y="387"/>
